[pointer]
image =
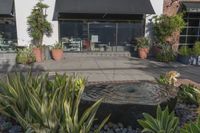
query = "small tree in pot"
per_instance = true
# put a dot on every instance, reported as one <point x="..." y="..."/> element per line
<point x="142" y="47"/>
<point x="166" y="30"/>
<point x="57" y="51"/>
<point x="38" y="26"/>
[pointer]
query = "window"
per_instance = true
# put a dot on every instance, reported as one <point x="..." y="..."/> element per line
<point x="99" y="36"/>
<point x="8" y="34"/>
<point x="191" y="32"/>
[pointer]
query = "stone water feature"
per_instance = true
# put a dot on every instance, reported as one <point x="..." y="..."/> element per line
<point x="127" y="101"/>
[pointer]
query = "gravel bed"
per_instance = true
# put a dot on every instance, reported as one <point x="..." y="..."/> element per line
<point x="185" y="113"/>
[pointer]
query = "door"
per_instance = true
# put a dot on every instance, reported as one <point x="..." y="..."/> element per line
<point x="102" y="36"/>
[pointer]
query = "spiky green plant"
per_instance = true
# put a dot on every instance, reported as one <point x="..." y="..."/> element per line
<point x="192" y="127"/>
<point x="189" y="94"/>
<point x="42" y="105"/>
<point x="165" y="122"/>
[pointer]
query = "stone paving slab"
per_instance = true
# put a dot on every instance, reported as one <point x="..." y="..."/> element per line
<point x="103" y="69"/>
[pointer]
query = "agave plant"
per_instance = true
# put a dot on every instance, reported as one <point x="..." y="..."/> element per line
<point x="42" y="105"/>
<point x="165" y="122"/>
<point x="189" y="94"/>
<point x="193" y="127"/>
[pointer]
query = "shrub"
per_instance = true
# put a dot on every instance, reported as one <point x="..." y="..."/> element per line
<point x="193" y="127"/>
<point x="25" y="56"/>
<point x="42" y="105"/>
<point x="189" y="94"/>
<point x="196" y="49"/>
<point x="165" y="25"/>
<point x="165" y="122"/>
<point x="57" y="45"/>
<point x="162" y="80"/>
<point x="185" y="51"/>
<point x="142" y="42"/>
<point x="166" y="54"/>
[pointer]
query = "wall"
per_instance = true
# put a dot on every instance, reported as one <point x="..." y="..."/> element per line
<point x="158" y="8"/>
<point x="23" y="9"/>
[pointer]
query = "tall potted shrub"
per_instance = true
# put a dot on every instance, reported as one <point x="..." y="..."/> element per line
<point x="164" y="28"/>
<point x="142" y="47"/>
<point x="57" y="51"/>
<point x="38" y="26"/>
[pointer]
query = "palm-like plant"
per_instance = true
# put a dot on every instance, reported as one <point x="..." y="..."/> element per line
<point x="42" y="105"/>
<point x="165" y="122"/>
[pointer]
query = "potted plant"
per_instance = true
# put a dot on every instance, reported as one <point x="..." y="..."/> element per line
<point x="166" y="54"/>
<point x="57" y="51"/>
<point x="38" y="26"/>
<point x="142" y="47"/>
<point x="164" y="28"/>
<point x="25" y="56"/>
<point x="196" y="52"/>
<point x="185" y="55"/>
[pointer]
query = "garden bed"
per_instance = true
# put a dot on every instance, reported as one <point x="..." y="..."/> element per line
<point x="185" y="113"/>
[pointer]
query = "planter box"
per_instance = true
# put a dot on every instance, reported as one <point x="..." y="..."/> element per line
<point x="196" y="60"/>
<point x="185" y="59"/>
<point x="189" y="60"/>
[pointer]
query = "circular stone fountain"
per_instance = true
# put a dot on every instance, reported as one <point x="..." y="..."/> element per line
<point x="127" y="101"/>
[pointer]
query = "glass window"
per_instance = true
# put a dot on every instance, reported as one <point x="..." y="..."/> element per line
<point x="8" y="34"/>
<point x="183" y="39"/>
<point x="127" y="32"/>
<point x="99" y="36"/>
<point x="193" y="31"/>
<point x="191" y="39"/>
<point x="72" y="34"/>
<point x="194" y="22"/>
<point x="102" y="36"/>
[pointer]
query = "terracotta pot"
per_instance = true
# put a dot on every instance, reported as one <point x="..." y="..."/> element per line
<point x="38" y="54"/>
<point x="143" y="52"/>
<point x="57" y="54"/>
<point x="146" y="50"/>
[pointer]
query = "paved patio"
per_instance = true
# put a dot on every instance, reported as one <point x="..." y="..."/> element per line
<point x="111" y="68"/>
<point x="102" y="69"/>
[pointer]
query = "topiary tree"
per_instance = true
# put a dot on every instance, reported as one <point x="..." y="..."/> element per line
<point x="38" y="26"/>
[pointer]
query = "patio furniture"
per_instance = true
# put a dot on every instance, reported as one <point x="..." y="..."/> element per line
<point x="74" y="44"/>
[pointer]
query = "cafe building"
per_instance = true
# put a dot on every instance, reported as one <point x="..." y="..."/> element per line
<point x="82" y="25"/>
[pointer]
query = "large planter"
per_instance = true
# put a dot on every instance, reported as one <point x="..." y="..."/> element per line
<point x="156" y="50"/>
<point x="143" y="52"/>
<point x="57" y="54"/>
<point x="196" y="60"/>
<point x="38" y="54"/>
<point x="188" y="60"/>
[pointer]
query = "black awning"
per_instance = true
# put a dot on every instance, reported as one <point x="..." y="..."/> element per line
<point x="6" y="7"/>
<point x="191" y="6"/>
<point x="103" y="7"/>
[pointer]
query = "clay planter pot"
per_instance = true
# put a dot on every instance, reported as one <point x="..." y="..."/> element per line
<point x="38" y="54"/>
<point x="143" y="52"/>
<point x="57" y="54"/>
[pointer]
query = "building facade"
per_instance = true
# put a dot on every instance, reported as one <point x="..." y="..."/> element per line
<point x="94" y="25"/>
